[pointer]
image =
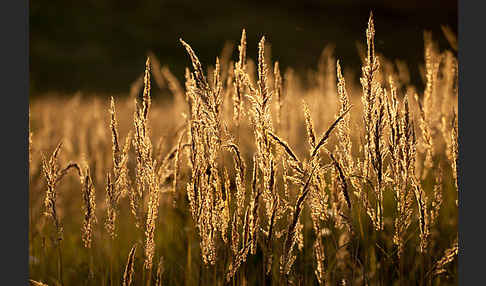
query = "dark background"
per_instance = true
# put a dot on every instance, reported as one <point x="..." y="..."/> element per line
<point x="101" y="45"/>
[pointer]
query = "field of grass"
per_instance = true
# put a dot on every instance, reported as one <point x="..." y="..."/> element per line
<point x="251" y="175"/>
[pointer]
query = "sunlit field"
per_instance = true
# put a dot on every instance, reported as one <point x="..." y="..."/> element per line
<point x="250" y="174"/>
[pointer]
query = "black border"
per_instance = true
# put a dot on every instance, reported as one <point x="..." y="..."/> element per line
<point x="471" y="165"/>
<point x="14" y="23"/>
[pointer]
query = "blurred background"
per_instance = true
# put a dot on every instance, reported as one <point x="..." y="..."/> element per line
<point x="100" y="46"/>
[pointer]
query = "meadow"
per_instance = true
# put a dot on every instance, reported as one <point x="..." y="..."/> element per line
<point x="247" y="174"/>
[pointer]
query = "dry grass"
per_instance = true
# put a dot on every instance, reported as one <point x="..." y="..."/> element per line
<point x="220" y="185"/>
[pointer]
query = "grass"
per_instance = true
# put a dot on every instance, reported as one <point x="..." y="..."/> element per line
<point x="249" y="177"/>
